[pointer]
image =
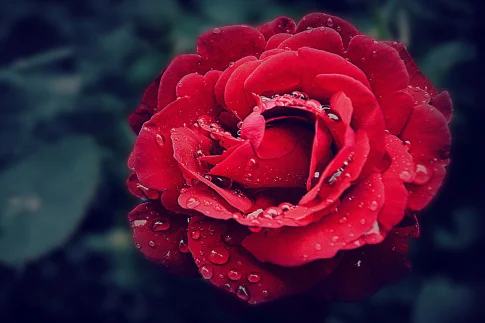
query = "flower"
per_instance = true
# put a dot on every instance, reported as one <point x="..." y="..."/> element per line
<point x="298" y="156"/>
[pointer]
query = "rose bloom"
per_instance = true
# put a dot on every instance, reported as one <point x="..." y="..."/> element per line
<point x="287" y="159"/>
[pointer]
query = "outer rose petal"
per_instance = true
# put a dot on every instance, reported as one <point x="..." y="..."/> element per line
<point x="428" y="132"/>
<point x="139" y="190"/>
<point x="416" y="78"/>
<point x="442" y="102"/>
<point x="216" y="248"/>
<point x="421" y="195"/>
<point x="136" y="120"/>
<point x="363" y="271"/>
<point x="388" y="77"/>
<point x="220" y="46"/>
<point x="178" y="68"/>
<point x="154" y="164"/>
<point x="161" y="236"/>
<point x="323" y="239"/>
<point x="279" y="25"/>
<point x="314" y="20"/>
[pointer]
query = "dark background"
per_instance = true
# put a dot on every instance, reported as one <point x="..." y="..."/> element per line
<point x="71" y="72"/>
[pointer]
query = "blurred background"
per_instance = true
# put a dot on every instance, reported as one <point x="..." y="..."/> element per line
<point x="72" y="71"/>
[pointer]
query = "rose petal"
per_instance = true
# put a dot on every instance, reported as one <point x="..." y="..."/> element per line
<point x="366" y="114"/>
<point x="279" y="73"/>
<point x="238" y="101"/>
<point x="280" y="163"/>
<point x="416" y="78"/>
<point x="154" y="164"/>
<point x="136" y="119"/>
<point x="428" y="132"/>
<point x="363" y="271"/>
<point x="323" y="239"/>
<point x="220" y="46"/>
<point x="271" y="52"/>
<point x="277" y="26"/>
<point x="220" y="86"/>
<point x="388" y="77"/>
<point x="186" y="143"/>
<point x="442" y="102"/>
<point x="276" y="40"/>
<point x="179" y="67"/>
<point x="339" y="174"/>
<point x="215" y="245"/>
<point x="253" y="129"/>
<point x="321" y="153"/>
<point x="315" y="20"/>
<point x="214" y="206"/>
<point x="421" y="195"/>
<point x="321" y="38"/>
<point x="139" y="190"/>
<point x="161" y="236"/>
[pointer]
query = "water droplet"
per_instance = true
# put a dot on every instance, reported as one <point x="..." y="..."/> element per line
<point x="231" y="64"/>
<point x="376" y="42"/>
<point x="138" y="245"/>
<point x="332" y="115"/>
<point x="405" y="176"/>
<point x="160" y="139"/>
<point x="183" y="245"/>
<point x="318" y="246"/>
<point x="407" y="144"/>
<point x="422" y="175"/>
<point x="234" y="274"/>
<point x="358" y="263"/>
<point x="343" y="219"/>
<point x="195" y="234"/>
<point x="239" y="124"/>
<point x="264" y="293"/>
<point x="216" y="30"/>
<point x="161" y="225"/>
<point x="151" y="243"/>
<point x="206" y="271"/>
<point x="193" y="202"/>
<point x="316" y="175"/>
<point x="373" y="205"/>
<point x="219" y="255"/>
<point x="254" y="278"/>
<point x="330" y="22"/>
<point x="252" y="164"/>
<point x="242" y="293"/>
<point x="374" y="53"/>
<point x="285" y="206"/>
<point x="362" y="221"/>
<point x="199" y="153"/>
<point x="335" y="238"/>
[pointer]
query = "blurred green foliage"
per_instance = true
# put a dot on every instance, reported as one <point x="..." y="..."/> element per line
<point x="71" y="72"/>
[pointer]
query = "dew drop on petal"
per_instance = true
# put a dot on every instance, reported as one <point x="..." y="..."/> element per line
<point x="216" y="30"/>
<point x="206" y="271"/>
<point x="330" y="22"/>
<point x="422" y="175"/>
<point x="405" y="175"/>
<point x="234" y="274"/>
<point x="161" y="225"/>
<point x="318" y="246"/>
<point x="373" y="206"/>
<point x="219" y="255"/>
<point x="195" y="234"/>
<point x="183" y="246"/>
<point x="242" y="293"/>
<point x="193" y="202"/>
<point x="254" y="278"/>
<point x="160" y="139"/>
<point x="151" y="244"/>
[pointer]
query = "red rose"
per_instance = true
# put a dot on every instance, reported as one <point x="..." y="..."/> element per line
<point x="298" y="156"/>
